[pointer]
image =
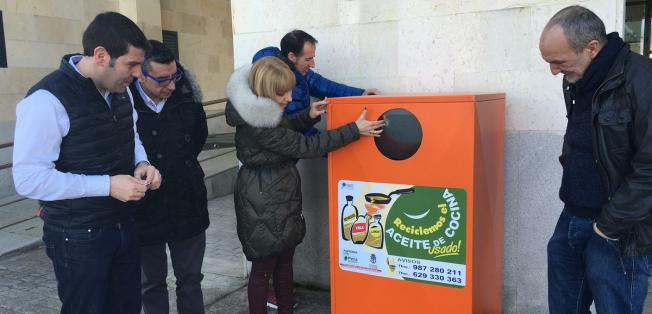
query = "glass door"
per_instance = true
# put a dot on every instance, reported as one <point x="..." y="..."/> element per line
<point x="637" y="25"/>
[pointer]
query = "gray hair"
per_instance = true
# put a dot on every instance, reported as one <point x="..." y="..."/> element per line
<point x="580" y="26"/>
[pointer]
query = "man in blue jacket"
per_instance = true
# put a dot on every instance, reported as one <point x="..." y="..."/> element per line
<point x="298" y="51"/>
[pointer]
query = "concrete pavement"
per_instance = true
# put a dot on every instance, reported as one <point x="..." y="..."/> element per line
<point x="28" y="285"/>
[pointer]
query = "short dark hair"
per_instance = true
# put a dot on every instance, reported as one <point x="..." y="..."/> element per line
<point x="159" y="53"/>
<point x="294" y="41"/>
<point x="115" y="32"/>
<point x="580" y="26"/>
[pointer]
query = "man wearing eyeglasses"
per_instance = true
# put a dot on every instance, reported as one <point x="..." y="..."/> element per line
<point x="172" y="125"/>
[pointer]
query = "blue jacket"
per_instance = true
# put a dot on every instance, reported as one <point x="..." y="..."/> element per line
<point x="312" y="84"/>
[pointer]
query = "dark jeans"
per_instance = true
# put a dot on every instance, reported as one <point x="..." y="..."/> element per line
<point x="585" y="268"/>
<point x="187" y="257"/>
<point x="280" y="267"/>
<point x="97" y="269"/>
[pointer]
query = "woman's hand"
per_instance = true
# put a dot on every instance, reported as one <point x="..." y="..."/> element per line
<point x="317" y="108"/>
<point x="369" y="128"/>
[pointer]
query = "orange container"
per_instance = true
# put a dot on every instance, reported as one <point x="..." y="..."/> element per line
<point x="416" y="216"/>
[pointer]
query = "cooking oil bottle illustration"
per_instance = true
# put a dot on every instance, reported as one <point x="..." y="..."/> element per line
<point x="349" y="215"/>
<point x="391" y="265"/>
<point x="359" y="230"/>
<point x="376" y="234"/>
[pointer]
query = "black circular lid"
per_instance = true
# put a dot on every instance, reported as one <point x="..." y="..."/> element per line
<point x="402" y="135"/>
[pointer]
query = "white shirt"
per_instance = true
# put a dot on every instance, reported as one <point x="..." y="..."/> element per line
<point x="41" y="124"/>
<point x="156" y="107"/>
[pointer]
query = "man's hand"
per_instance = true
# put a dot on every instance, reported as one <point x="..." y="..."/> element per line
<point x="317" y="108"/>
<point x="599" y="233"/>
<point x="127" y="188"/>
<point x="371" y="91"/>
<point x="149" y="174"/>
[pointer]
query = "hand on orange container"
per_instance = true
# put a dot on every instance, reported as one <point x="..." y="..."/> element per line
<point x="367" y="127"/>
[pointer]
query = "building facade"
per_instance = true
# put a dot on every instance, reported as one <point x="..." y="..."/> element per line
<point x="38" y="32"/>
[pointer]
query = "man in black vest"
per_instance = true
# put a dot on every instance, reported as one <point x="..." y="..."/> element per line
<point x="601" y="248"/>
<point x="77" y="151"/>
<point x="172" y="126"/>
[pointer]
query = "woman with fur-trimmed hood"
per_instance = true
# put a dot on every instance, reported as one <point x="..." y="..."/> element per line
<point x="268" y="188"/>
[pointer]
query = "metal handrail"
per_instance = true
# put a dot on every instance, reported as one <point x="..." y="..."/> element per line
<point x="215" y="101"/>
<point x="205" y="103"/>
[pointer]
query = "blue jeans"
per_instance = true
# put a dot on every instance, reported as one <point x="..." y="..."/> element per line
<point x="585" y="268"/>
<point x="97" y="269"/>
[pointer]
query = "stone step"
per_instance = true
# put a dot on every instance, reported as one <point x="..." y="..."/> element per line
<point x="221" y="140"/>
<point x="19" y="226"/>
<point x="18" y="210"/>
<point x="220" y="169"/>
<point x="216" y="122"/>
<point x="6" y="136"/>
<point x="13" y="198"/>
<point x="21" y="236"/>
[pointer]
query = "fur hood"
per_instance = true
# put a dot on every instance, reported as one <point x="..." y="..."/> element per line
<point x="261" y="112"/>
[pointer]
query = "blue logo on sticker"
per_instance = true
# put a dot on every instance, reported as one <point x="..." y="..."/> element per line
<point x="346" y="186"/>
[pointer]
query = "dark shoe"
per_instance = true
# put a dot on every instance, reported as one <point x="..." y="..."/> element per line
<point x="271" y="300"/>
<point x="273" y="304"/>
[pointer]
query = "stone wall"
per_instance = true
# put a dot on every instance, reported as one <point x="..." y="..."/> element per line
<point x="205" y="40"/>
<point x="39" y="32"/>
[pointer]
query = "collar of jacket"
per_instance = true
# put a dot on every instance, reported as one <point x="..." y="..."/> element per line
<point x="82" y="82"/>
<point x="615" y="76"/>
<point x="600" y="67"/>
<point x="256" y="111"/>
<point x="613" y="79"/>
<point x="289" y="62"/>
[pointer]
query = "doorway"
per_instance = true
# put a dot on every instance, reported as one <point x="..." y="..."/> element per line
<point x="637" y="25"/>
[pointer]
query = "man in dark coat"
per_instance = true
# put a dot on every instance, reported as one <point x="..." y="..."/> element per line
<point x="600" y="249"/>
<point x="298" y="50"/>
<point x="172" y="124"/>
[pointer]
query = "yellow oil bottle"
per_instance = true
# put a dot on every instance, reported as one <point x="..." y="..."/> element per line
<point x="349" y="215"/>
<point x="376" y="235"/>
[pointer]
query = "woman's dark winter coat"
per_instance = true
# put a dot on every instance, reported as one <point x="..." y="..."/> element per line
<point x="268" y="187"/>
<point x="173" y="139"/>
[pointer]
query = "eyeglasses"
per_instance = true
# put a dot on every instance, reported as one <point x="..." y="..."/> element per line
<point x="165" y="80"/>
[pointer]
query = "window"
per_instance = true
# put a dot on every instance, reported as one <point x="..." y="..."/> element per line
<point x="637" y="25"/>
<point x="171" y="40"/>
<point x="3" y="47"/>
